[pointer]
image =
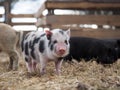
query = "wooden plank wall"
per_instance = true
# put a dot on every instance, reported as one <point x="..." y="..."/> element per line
<point x="66" y="21"/>
<point x="57" y="20"/>
<point x="85" y="4"/>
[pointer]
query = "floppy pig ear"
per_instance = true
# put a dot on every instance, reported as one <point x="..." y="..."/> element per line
<point x="48" y="34"/>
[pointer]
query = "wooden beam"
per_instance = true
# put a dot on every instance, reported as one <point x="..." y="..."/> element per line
<point x="7" y="5"/>
<point x="40" y="11"/>
<point x="97" y="33"/>
<point x="22" y="23"/>
<point x="80" y="5"/>
<point x="105" y="1"/>
<point x="65" y="27"/>
<point x="21" y="15"/>
<point x="85" y="19"/>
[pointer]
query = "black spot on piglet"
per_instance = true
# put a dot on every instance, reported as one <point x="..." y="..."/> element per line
<point x="41" y="46"/>
<point x="26" y="48"/>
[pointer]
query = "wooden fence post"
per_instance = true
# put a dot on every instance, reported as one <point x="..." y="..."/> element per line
<point x="7" y="6"/>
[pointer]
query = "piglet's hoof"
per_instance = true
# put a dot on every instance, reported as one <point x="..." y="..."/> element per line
<point x="42" y="73"/>
<point x="58" y="72"/>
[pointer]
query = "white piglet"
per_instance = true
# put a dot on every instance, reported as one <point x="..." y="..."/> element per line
<point x="40" y="46"/>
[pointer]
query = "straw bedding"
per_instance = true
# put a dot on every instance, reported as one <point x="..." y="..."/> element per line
<point x="74" y="76"/>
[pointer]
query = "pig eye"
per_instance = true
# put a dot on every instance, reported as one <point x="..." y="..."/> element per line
<point x="55" y="41"/>
<point x="66" y="42"/>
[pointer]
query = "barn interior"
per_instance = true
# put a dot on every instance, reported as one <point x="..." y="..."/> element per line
<point x="87" y="18"/>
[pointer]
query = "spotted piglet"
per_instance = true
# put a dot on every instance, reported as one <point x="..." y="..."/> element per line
<point x="41" y="47"/>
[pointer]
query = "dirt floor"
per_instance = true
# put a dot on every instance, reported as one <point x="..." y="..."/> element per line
<point x="75" y="76"/>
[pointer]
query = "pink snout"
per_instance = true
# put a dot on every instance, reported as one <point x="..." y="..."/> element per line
<point x="62" y="51"/>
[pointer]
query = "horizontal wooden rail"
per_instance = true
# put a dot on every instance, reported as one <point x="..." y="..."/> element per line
<point x="97" y="33"/>
<point x="94" y="1"/>
<point x="80" y="5"/>
<point x="21" y="15"/>
<point x="22" y="23"/>
<point x="113" y="20"/>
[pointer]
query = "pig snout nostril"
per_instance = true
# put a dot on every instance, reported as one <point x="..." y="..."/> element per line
<point x="62" y="51"/>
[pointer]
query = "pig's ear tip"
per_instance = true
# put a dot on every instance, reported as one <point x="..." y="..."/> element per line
<point x="68" y="31"/>
<point x="48" y="32"/>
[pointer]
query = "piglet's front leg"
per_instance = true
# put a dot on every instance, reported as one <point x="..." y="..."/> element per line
<point x="43" y="63"/>
<point x="58" y="64"/>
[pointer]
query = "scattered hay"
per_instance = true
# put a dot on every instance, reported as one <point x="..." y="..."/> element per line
<point x="75" y="76"/>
